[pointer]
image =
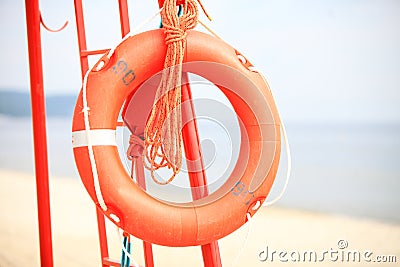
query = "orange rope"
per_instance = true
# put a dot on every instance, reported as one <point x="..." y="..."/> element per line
<point x="163" y="134"/>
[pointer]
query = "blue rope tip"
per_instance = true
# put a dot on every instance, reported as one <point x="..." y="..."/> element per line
<point x="126" y="251"/>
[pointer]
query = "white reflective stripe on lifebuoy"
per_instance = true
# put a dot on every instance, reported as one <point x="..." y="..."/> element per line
<point x="98" y="137"/>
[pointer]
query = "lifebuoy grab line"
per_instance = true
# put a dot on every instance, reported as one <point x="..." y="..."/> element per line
<point x="172" y="231"/>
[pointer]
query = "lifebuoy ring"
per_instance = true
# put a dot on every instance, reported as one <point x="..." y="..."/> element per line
<point x="111" y="81"/>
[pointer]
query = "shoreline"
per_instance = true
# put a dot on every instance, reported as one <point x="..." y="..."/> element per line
<point x="75" y="240"/>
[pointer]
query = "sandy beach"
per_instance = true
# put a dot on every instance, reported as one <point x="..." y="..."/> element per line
<point x="276" y="229"/>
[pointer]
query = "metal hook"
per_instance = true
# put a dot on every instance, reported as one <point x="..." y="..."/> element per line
<point x="51" y="30"/>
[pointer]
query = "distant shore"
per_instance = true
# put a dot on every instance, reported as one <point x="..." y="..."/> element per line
<point x="273" y="229"/>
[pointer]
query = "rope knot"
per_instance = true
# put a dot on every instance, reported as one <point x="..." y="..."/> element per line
<point x="174" y="34"/>
<point x="175" y="27"/>
<point x="136" y="146"/>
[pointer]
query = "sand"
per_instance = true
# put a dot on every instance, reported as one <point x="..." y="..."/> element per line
<point x="75" y="240"/>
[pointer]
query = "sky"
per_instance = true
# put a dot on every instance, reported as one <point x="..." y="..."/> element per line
<point x="331" y="60"/>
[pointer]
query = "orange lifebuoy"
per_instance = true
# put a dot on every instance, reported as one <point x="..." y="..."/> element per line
<point x="113" y="80"/>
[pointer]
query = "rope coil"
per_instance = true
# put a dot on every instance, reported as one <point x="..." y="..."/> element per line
<point x="163" y="147"/>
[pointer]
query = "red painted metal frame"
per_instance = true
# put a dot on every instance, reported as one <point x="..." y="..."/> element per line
<point x="39" y="131"/>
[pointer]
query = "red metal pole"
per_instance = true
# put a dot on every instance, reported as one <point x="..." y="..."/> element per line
<point x="124" y="17"/>
<point x="39" y="131"/>
<point x="80" y="27"/>
<point x="191" y="142"/>
<point x="197" y="176"/>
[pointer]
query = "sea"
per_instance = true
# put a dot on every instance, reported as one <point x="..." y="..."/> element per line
<point x="351" y="169"/>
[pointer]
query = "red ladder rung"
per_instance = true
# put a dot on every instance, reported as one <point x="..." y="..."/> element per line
<point x="85" y="53"/>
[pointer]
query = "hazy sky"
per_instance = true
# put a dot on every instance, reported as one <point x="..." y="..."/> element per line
<point x="324" y="59"/>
